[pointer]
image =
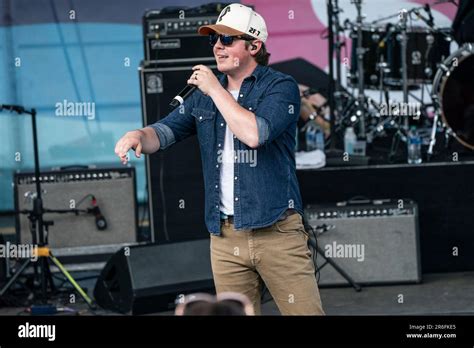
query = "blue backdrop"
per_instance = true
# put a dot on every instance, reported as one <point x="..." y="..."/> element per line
<point x="49" y="54"/>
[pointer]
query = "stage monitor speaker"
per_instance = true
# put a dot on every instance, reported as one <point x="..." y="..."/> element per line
<point x="374" y="242"/>
<point x="175" y="179"/>
<point x="74" y="235"/>
<point x="148" y="279"/>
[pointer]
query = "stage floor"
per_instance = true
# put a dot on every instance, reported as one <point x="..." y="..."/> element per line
<point x="438" y="294"/>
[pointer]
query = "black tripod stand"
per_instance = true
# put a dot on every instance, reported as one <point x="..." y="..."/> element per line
<point x="40" y="231"/>
<point x="312" y="241"/>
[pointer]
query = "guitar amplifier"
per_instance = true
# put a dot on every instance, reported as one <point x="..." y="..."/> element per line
<point x="170" y="34"/>
<point x="375" y="242"/>
<point x="78" y="236"/>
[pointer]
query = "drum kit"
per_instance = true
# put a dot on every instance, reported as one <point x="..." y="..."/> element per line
<point x="392" y="56"/>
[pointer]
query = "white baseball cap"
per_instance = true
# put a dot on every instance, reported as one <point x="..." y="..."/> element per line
<point x="237" y="19"/>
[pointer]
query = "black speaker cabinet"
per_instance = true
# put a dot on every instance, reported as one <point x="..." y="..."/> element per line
<point x="374" y="242"/>
<point x="148" y="279"/>
<point x="175" y="179"/>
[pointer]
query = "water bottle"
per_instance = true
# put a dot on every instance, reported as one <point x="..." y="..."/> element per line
<point x="414" y="146"/>
<point x="319" y="139"/>
<point x="310" y="138"/>
<point x="350" y="140"/>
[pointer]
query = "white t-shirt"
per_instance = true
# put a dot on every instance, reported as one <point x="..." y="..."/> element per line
<point x="227" y="170"/>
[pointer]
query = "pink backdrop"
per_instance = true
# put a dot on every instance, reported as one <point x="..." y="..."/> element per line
<point x="295" y="27"/>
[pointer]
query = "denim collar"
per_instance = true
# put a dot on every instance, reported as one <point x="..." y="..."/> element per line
<point x="256" y="74"/>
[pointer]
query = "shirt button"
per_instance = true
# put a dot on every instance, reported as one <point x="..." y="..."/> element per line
<point x="217" y="186"/>
<point x="235" y="178"/>
<point x="222" y="125"/>
<point x="200" y="117"/>
<point x="217" y="207"/>
<point x="235" y="137"/>
<point x="250" y="108"/>
<point x="241" y="96"/>
<point x="236" y="198"/>
<point x="217" y="166"/>
<point x="219" y="145"/>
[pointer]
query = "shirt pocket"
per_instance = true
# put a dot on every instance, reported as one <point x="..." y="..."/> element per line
<point x="204" y="124"/>
<point x="202" y="115"/>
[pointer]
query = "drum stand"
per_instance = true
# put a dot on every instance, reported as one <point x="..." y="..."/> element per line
<point x="404" y="70"/>
<point x="360" y="70"/>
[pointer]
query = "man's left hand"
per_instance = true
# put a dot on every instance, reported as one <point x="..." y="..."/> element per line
<point x="204" y="79"/>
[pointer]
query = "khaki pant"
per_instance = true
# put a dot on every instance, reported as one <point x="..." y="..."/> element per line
<point x="278" y="255"/>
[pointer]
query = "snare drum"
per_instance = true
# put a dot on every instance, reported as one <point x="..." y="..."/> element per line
<point x="453" y="92"/>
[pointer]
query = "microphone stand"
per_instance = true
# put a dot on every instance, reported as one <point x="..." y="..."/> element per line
<point x="39" y="225"/>
<point x="332" y="87"/>
<point x="360" y="71"/>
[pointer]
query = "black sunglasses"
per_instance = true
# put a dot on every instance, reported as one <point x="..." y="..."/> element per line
<point x="227" y="40"/>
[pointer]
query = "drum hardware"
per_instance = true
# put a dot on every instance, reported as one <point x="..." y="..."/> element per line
<point x="360" y="70"/>
<point x="338" y="44"/>
<point x="402" y="38"/>
<point x="394" y="56"/>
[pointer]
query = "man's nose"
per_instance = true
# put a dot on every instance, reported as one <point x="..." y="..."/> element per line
<point x="219" y="44"/>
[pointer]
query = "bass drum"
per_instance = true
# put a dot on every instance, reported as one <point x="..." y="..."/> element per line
<point x="453" y="91"/>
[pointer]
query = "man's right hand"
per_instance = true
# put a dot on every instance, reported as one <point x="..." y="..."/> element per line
<point x="131" y="140"/>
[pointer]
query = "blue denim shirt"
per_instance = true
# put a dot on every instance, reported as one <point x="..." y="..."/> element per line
<point x="265" y="183"/>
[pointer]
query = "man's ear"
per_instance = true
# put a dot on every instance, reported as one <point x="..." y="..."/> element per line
<point x="255" y="47"/>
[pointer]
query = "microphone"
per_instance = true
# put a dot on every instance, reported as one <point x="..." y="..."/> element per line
<point x="100" y="221"/>
<point x="17" y="108"/>
<point x="320" y="229"/>
<point x="427" y="9"/>
<point x="388" y="32"/>
<point x="185" y="92"/>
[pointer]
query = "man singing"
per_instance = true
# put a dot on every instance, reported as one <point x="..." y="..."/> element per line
<point x="252" y="207"/>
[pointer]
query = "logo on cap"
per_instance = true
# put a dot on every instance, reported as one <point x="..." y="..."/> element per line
<point x="224" y="12"/>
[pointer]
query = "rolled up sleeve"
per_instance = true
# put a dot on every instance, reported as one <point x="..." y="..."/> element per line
<point x="278" y="109"/>
<point x="176" y="126"/>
